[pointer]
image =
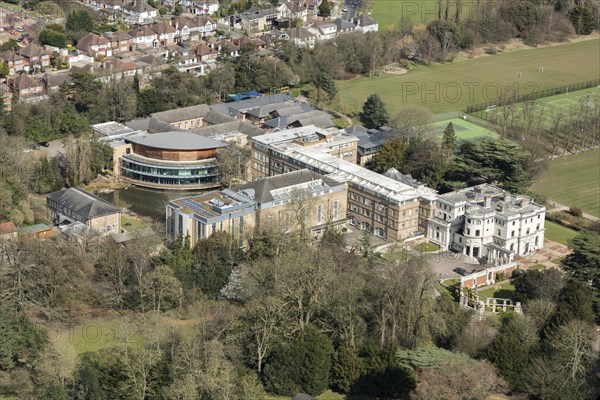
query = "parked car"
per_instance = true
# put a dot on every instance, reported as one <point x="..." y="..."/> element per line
<point x="19" y="29"/>
<point x="45" y="144"/>
<point x="36" y="146"/>
<point x="461" y="271"/>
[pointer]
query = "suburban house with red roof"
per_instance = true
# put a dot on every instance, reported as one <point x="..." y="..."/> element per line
<point x="94" y="45"/>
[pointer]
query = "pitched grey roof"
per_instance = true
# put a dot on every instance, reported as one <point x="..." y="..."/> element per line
<point x="83" y="203"/>
<point x="182" y="114"/>
<point x="367" y="139"/>
<point x="262" y="188"/>
<point x="244" y="105"/>
<point x="175" y="140"/>
<point x="215" y="118"/>
<point x="313" y="117"/>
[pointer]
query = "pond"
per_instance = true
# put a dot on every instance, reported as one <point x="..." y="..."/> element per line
<point x="145" y="202"/>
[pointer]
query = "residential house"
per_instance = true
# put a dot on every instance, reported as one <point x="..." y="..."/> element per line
<point x="121" y="69"/>
<point x="487" y="222"/>
<point x="203" y="7"/>
<point x="184" y="118"/>
<point x="165" y="32"/>
<point x="292" y="11"/>
<point x="35" y="56"/>
<point x="182" y="28"/>
<point x="266" y="202"/>
<point x="16" y="63"/>
<point x="142" y="10"/>
<point x="253" y="20"/>
<point x="8" y="231"/>
<point x="72" y="204"/>
<point x="38" y="231"/>
<point x="344" y="26"/>
<point x="120" y="41"/>
<point x="53" y="81"/>
<point x="25" y="86"/>
<point x="201" y="27"/>
<point x="144" y="38"/>
<point x="226" y="48"/>
<point x="365" y="24"/>
<point x="205" y="53"/>
<point x="247" y="40"/>
<point x="151" y="64"/>
<point x="300" y="36"/>
<point x="324" y="30"/>
<point x="94" y="45"/>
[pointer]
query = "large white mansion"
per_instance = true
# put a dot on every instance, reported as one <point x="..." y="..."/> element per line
<point x="485" y="221"/>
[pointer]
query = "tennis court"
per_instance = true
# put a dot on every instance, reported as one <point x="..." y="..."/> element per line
<point x="463" y="129"/>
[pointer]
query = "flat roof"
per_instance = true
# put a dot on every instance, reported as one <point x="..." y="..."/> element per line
<point x="176" y="140"/>
<point x="345" y="171"/>
<point x="289" y="134"/>
<point x="112" y="128"/>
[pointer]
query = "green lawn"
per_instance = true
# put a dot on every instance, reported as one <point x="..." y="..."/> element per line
<point x="574" y="181"/>
<point x="558" y="233"/>
<point x="464" y="130"/>
<point x="538" y="267"/>
<point x="452" y="86"/>
<point x="504" y="291"/>
<point x="564" y="103"/>
<point x="131" y="223"/>
<point x="451" y="282"/>
<point x="426" y="246"/>
<point x="557" y="260"/>
<point x="389" y="13"/>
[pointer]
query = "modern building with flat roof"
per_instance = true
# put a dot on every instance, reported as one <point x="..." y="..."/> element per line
<point x="297" y="200"/>
<point x="176" y="160"/>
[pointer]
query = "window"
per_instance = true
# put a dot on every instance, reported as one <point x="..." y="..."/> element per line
<point x="477" y="232"/>
<point x="512" y="234"/>
<point x="319" y="214"/>
<point x="214" y="228"/>
<point x="368" y="202"/>
<point x="468" y="231"/>
<point x="513" y="223"/>
<point x="336" y="205"/>
<point x="499" y="232"/>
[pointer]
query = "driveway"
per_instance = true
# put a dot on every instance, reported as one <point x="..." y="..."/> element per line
<point x="443" y="263"/>
<point x="56" y="148"/>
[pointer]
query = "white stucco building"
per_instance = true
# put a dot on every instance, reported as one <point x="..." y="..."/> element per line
<point x="485" y="221"/>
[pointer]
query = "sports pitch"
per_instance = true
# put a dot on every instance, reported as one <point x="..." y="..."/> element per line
<point x="574" y="181"/>
<point x="566" y="103"/>
<point x="451" y="87"/>
<point x="464" y="130"/>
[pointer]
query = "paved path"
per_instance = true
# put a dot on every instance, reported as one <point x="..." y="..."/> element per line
<point x="561" y="207"/>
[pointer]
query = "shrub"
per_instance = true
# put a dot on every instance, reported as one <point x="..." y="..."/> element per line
<point x="576" y="211"/>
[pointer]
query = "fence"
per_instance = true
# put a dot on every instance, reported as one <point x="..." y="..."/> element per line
<point x="475" y="109"/>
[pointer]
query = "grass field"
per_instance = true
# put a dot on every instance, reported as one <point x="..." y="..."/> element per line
<point x="574" y="181"/>
<point x="564" y="103"/>
<point x="558" y="233"/>
<point x="389" y="13"/>
<point x="464" y="130"/>
<point x="452" y="86"/>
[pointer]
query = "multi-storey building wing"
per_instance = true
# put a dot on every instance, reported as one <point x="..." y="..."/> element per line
<point x="297" y="200"/>
<point x="485" y="221"/>
<point x="391" y="207"/>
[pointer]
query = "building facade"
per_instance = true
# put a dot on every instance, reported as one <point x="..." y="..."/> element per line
<point x="392" y="207"/>
<point x="76" y="205"/>
<point x="296" y="201"/>
<point x="487" y="222"/>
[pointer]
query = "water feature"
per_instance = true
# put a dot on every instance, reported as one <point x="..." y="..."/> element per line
<point x="145" y="202"/>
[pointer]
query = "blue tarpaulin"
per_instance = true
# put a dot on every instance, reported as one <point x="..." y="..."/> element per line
<point x="252" y="93"/>
<point x="236" y="97"/>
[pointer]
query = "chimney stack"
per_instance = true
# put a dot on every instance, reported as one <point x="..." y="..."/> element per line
<point x="487" y="201"/>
